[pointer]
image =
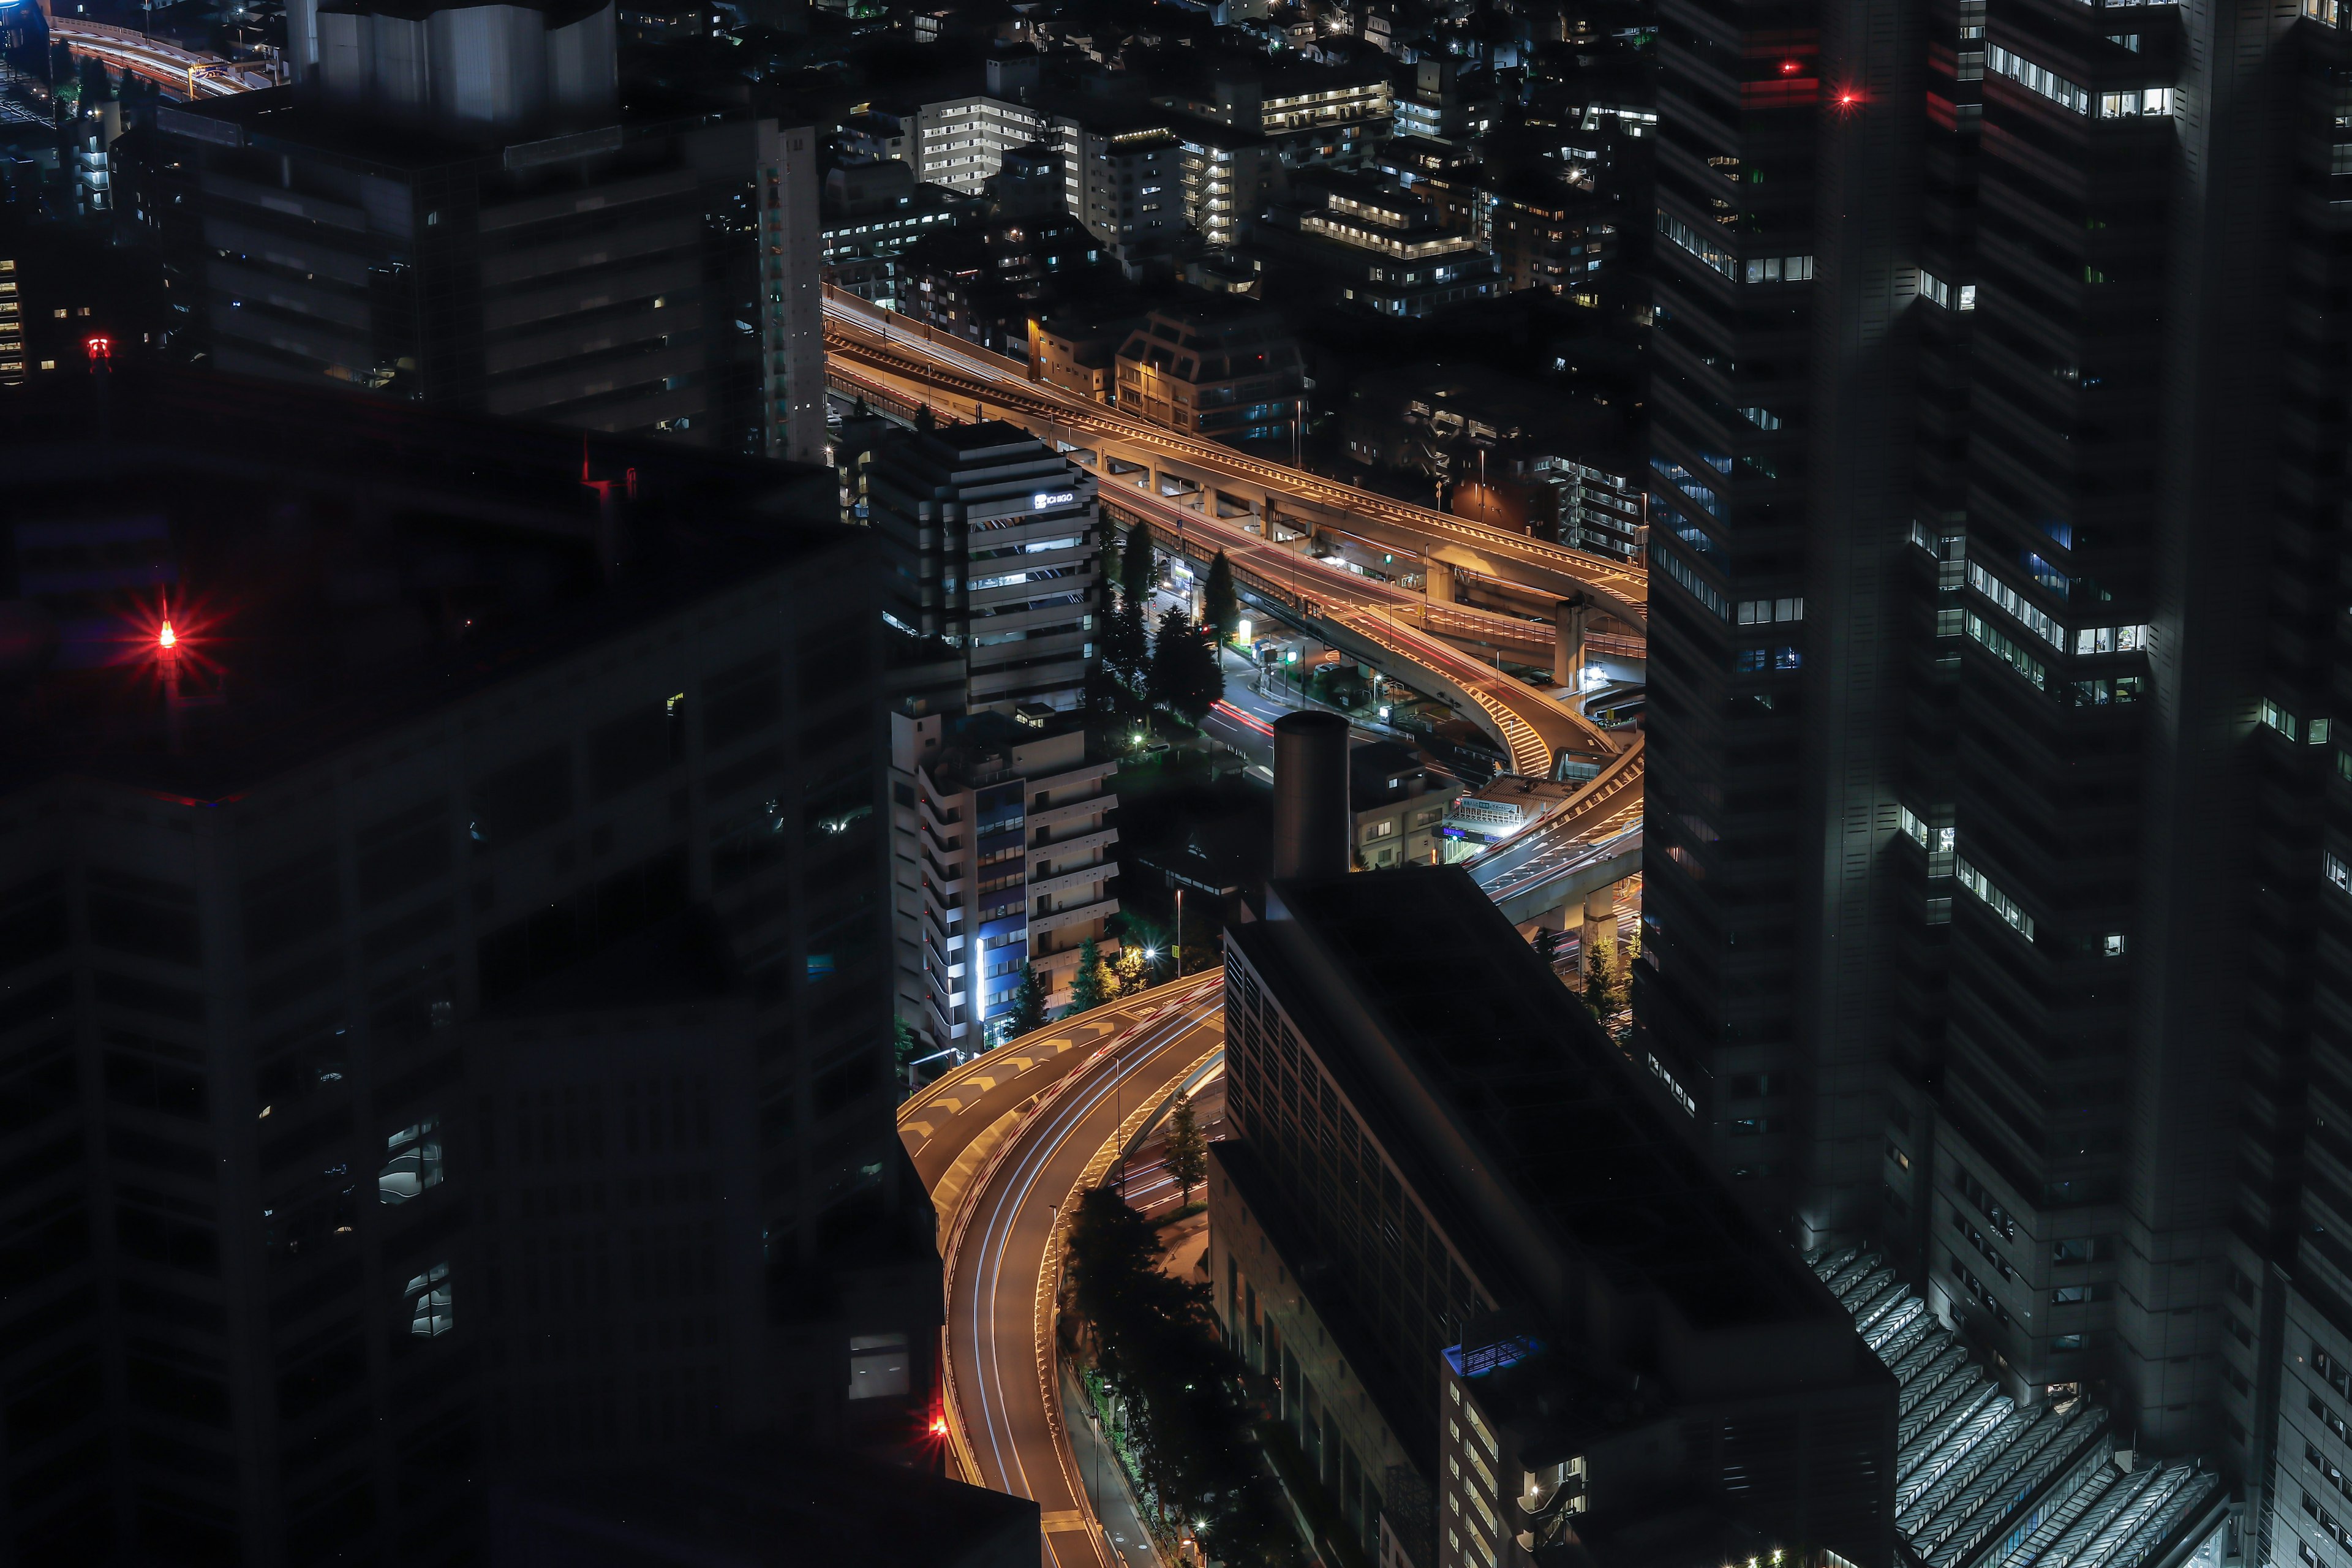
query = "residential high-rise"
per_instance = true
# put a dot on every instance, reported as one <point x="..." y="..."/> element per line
<point x="1995" y="872"/>
<point x="1003" y="859"/>
<point x="444" y="995"/>
<point x="992" y="542"/>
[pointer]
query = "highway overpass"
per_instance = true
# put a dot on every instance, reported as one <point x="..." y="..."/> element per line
<point x="962" y="378"/>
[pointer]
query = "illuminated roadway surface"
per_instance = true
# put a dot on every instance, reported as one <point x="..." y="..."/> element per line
<point x="857" y="332"/>
<point x="154" y="59"/>
<point x="1105" y="1074"/>
<point x="1591" y="841"/>
<point x="1384" y="620"/>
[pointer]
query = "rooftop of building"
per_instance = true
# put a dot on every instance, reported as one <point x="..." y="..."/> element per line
<point x="329" y="565"/>
<point x="280" y="119"/>
<point x="761" y="1504"/>
<point x="1382" y="773"/>
<point x="1511" y="1066"/>
<point x="979" y="749"/>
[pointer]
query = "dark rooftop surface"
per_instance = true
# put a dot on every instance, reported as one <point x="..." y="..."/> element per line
<point x="329" y="564"/>
<point x="1543" y="1095"/>
<point x="760" y="1505"/>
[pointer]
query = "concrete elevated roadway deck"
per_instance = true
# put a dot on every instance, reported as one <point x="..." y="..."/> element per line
<point x="963" y="378"/>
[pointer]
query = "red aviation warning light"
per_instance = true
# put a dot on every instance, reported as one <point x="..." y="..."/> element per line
<point x="98" y="349"/>
<point x="167" y="640"/>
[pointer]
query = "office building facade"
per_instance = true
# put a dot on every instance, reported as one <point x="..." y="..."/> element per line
<point x="992" y="544"/>
<point x="474" y="223"/>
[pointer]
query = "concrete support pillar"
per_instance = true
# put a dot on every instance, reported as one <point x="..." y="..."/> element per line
<point x="1437" y="578"/>
<point x="1567" y="643"/>
<point x="1600" y="933"/>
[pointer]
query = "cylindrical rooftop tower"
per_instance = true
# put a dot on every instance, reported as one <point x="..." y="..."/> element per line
<point x="1310" y="796"/>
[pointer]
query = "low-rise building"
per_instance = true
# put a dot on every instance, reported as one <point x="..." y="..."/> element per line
<point x="1445" y="103"/>
<point x="1549" y="234"/>
<point x="982" y="282"/>
<point x="1510" y="452"/>
<point x="1078" y="352"/>
<point x="1379" y="246"/>
<point x="1503" y="809"/>
<point x="1008" y="856"/>
<point x="1232" y="372"/>
<point x="1399" y="804"/>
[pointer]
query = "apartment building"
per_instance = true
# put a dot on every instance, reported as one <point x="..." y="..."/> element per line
<point x="962" y="141"/>
<point x="1381" y="247"/>
<point x="446" y="973"/>
<point x="1399" y="803"/>
<point x="1438" y="1160"/>
<point x="992" y="545"/>
<point x="1230" y="372"/>
<point x="1008" y="849"/>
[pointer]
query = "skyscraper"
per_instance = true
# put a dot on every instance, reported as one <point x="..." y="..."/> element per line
<point x="2006" y="927"/>
<point x="1738" y="117"/>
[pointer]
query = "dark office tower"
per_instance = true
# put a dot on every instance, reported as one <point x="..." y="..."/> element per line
<point x="444" y="973"/>
<point x="2082" y="859"/>
<point x="1739" y="108"/>
<point x="1862" y="411"/>
<point x="449" y="205"/>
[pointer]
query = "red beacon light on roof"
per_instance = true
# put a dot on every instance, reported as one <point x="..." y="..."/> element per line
<point x="167" y="640"/>
<point x="1788" y="67"/>
<point x="98" y="349"/>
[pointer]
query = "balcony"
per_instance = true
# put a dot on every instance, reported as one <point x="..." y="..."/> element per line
<point x="1085" y="876"/>
<point x="1042" y="925"/>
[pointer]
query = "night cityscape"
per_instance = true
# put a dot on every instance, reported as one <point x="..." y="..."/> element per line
<point x="1175" y="783"/>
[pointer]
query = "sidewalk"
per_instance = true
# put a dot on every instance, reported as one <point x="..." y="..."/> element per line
<point x="1105" y="1484"/>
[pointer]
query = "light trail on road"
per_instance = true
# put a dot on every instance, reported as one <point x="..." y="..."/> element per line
<point x="1101" y="1077"/>
<point x="861" y="330"/>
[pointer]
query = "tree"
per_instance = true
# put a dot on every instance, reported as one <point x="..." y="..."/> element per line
<point x="1547" y="944"/>
<point x="1184" y="675"/>
<point x="1134" y="970"/>
<point x="1094" y="984"/>
<point x="1192" y="1429"/>
<point x="1188" y="1151"/>
<point x="1138" y="569"/>
<point x="96" y="83"/>
<point x="1028" y="1013"/>
<point x="1126" y="652"/>
<point x="906" y="1045"/>
<point x="1222" y="607"/>
<point x="1604" y="993"/>
<point x="1108" y="559"/>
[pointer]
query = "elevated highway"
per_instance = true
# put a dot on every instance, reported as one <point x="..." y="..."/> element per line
<point x="1590" y="842"/>
<point x="192" y="73"/>
<point x="1376" y="623"/>
<point x="946" y="370"/>
<point x="1006" y="1143"/>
